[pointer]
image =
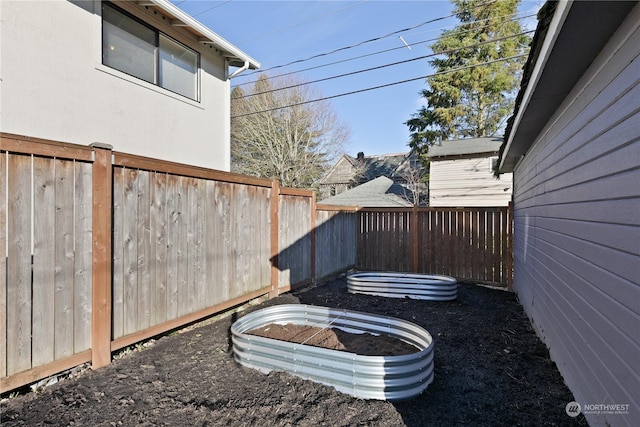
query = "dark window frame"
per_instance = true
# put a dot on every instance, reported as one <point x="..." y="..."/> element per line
<point x="158" y="33"/>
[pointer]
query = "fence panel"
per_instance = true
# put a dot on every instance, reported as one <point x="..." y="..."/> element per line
<point x="294" y="240"/>
<point x="183" y="244"/>
<point x="385" y="241"/>
<point x="336" y="236"/>
<point x="472" y="243"/>
<point x="46" y="298"/>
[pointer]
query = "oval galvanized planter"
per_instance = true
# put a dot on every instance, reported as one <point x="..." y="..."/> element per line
<point x="401" y="285"/>
<point x="367" y="377"/>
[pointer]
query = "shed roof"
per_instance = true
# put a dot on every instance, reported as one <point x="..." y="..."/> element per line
<point x="465" y="147"/>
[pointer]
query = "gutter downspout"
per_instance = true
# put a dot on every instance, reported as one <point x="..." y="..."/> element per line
<point x="239" y="70"/>
<point x="227" y="111"/>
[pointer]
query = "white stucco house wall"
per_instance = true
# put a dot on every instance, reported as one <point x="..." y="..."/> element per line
<point x="573" y="146"/>
<point x="141" y="76"/>
<point x="461" y="174"/>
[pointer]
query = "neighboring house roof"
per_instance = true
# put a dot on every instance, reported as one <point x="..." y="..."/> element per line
<point x="382" y="165"/>
<point x="465" y="147"/>
<point x="555" y="65"/>
<point x="380" y="192"/>
<point x="363" y="168"/>
<point x="179" y="18"/>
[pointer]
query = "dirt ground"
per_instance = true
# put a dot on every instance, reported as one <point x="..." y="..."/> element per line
<point x="490" y="370"/>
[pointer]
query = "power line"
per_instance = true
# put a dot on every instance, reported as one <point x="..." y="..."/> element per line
<point x="373" y="53"/>
<point x="386" y="65"/>
<point x="211" y="8"/>
<point x="367" y="41"/>
<point x="379" y="87"/>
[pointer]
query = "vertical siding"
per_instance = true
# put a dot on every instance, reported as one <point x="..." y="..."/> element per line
<point x="467" y="182"/>
<point x="577" y="228"/>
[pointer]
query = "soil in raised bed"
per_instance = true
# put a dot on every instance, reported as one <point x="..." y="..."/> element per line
<point x="365" y="344"/>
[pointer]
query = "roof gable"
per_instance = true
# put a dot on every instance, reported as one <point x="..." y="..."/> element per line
<point x="343" y="171"/>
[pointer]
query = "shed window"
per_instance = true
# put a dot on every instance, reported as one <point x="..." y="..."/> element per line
<point x="139" y="50"/>
<point x="493" y="163"/>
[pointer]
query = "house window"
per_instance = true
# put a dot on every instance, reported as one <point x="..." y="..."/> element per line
<point x="139" y="50"/>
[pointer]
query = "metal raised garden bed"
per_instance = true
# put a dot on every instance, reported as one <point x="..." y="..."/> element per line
<point x="367" y="377"/>
<point x="401" y="285"/>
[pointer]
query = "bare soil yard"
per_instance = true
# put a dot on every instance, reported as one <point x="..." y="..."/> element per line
<point x="490" y="370"/>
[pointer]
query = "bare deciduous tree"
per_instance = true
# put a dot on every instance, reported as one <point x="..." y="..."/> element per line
<point x="415" y="174"/>
<point x="277" y="133"/>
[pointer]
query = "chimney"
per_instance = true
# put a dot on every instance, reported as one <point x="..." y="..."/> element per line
<point x="360" y="157"/>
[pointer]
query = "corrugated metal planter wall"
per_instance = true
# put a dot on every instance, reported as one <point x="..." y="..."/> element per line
<point x="368" y="377"/>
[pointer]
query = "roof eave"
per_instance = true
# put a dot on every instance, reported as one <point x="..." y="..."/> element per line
<point x="575" y="36"/>
<point x="513" y="151"/>
<point x="234" y="56"/>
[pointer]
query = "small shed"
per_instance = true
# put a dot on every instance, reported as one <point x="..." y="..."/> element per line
<point x="461" y="174"/>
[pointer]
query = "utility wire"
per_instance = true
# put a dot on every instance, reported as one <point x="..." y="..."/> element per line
<point x="211" y="8"/>
<point x="378" y="52"/>
<point x="445" y="52"/>
<point x="378" y="87"/>
<point x="367" y="41"/>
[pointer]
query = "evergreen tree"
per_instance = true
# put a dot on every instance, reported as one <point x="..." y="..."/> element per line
<point x="472" y="101"/>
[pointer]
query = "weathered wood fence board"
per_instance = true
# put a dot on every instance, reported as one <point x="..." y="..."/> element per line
<point x="294" y="258"/>
<point x="472" y="243"/>
<point x="336" y="233"/>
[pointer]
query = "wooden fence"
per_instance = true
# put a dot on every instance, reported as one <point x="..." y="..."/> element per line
<point x="104" y="249"/>
<point x="472" y="243"/>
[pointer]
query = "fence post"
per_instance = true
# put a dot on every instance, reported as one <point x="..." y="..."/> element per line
<point x="510" y="230"/>
<point x="102" y="189"/>
<point x="414" y="238"/>
<point x="314" y="215"/>
<point x="275" y="229"/>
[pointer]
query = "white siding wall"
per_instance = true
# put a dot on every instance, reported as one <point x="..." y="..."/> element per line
<point x="467" y="182"/>
<point x="54" y="86"/>
<point x="577" y="231"/>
